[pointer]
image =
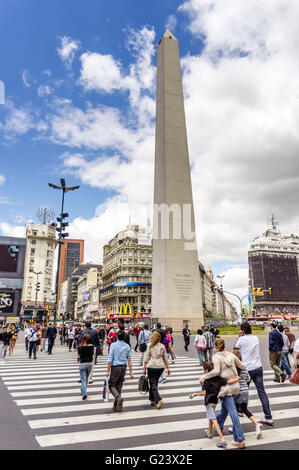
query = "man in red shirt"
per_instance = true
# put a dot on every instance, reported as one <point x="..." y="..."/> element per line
<point x="136" y="332"/>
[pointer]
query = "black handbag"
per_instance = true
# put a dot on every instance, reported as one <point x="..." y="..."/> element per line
<point x="142" y="347"/>
<point x="143" y="385"/>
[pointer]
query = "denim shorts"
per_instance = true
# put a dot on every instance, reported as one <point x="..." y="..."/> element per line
<point x="241" y="398"/>
<point x="210" y="407"/>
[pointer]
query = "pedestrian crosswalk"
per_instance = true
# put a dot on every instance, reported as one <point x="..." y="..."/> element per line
<point x="47" y="392"/>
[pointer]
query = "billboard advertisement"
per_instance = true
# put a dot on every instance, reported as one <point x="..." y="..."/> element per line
<point x="7" y="302"/>
<point x="9" y="258"/>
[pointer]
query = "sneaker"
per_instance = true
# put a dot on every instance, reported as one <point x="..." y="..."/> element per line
<point x="160" y="404"/>
<point x="163" y="381"/>
<point x="240" y="445"/>
<point x="208" y="435"/>
<point x="259" y="431"/>
<point x="222" y="444"/>
<point x="119" y="404"/>
<point x="240" y="414"/>
<point x="283" y="377"/>
<point x="90" y="382"/>
<point x="269" y="422"/>
<point x="84" y="397"/>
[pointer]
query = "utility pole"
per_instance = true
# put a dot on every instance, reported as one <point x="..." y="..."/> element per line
<point x="60" y="230"/>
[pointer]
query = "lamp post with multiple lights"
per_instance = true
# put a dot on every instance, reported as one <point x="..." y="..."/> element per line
<point x="60" y="230"/>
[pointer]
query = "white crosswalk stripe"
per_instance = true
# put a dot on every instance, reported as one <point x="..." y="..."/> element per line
<point x="48" y="394"/>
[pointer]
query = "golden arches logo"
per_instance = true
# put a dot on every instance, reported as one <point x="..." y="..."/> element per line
<point x="124" y="309"/>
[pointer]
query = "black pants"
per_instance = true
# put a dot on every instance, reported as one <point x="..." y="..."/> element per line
<point x="117" y="378"/>
<point x="242" y="408"/>
<point x="153" y="377"/>
<point x="187" y="342"/>
<point x="136" y="347"/>
<point x="71" y="340"/>
<point x="32" y="348"/>
<point x="50" y="344"/>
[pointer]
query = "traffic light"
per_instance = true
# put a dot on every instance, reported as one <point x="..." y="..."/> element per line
<point x="270" y="290"/>
<point x="37" y="286"/>
<point x="62" y="225"/>
<point x="257" y="291"/>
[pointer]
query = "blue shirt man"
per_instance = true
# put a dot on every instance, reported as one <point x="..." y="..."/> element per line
<point x="119" y="356"/>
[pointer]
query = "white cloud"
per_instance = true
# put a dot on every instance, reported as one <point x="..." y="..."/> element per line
<point x="44" y="90"/>
<point x="17" y="121"/>
<point x="171" y="23"/>
<point x="26" y="78"/>
<point x="101" y="72"/>
<point x="10" y="230"/>
<point x="67" y="49"/>
<point x="2" y="179"/>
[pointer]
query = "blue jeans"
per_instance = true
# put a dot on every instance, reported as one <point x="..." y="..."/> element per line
<point x="284" y="363"/>
<point x="228" y="407"/>
<point x="257" y="376"/>
<point x="84" y="369"/>
<point x="201" y="356"/>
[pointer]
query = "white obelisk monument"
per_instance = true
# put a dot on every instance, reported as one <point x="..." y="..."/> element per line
<point x="176" y="282"/>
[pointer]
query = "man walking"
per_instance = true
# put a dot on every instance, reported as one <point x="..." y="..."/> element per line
<point x="250" y="353"/>
<point x="51" y="335"/>
<point x="34" y="337"/>
<point x="94" y="340"/>
<point x="275" y="351"/>
<point x="187" y="333"/>
<point x="4" y="343"/>
<point x="210" y="343"/>
<point x="119" y="356"/>
<point x="136" y="332"/>
<point x="143" y="340"/>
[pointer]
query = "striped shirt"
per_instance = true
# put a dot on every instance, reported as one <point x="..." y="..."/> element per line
<point x="244" y="380"/>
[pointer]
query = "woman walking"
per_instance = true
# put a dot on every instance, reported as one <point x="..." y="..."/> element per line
<point x="225" y="365"/>
<point x="85" y="357"/>
<point x="155" y="361"/>
<point x="200" y="343"/>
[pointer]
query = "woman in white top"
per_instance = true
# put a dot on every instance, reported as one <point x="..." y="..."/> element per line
<point x="200" y="343"/>
<point x="156" y="361"/>
<point x="70" y="336"/>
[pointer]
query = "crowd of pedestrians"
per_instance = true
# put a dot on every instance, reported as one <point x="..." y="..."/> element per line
<point x="226" y="375"/>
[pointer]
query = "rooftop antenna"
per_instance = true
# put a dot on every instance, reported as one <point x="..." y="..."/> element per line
<point x="45" y="214"/>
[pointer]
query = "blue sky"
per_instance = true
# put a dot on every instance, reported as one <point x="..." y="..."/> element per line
<point x="29" y="34"/>
<point x="80" y="103"/>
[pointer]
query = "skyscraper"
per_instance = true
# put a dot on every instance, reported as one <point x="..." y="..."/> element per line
<point x="176" y="288"/>
<point x="72" y="254"/>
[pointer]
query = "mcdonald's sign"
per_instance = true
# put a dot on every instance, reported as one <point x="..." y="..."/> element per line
<point x="124" y="309"/>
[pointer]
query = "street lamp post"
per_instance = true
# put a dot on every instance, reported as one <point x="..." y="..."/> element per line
<point x="221" y="287"/>
<point x="60" y="230"/>
<point x="240" y="299"/>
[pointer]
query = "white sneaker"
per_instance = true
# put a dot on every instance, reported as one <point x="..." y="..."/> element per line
<point x="259" y="431"/>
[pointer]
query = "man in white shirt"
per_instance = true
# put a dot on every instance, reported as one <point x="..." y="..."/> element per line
<point x="249" y="347"/>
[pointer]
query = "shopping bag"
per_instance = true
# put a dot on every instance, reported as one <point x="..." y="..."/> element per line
<point x="143" y="385"/>
<point x="295" y="377"/>
<point x="291" y="360"/>
<point x="106" y="390"/>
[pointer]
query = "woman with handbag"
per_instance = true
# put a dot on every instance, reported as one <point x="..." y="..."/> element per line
<point x="155" y="361"/>
<point x="143" y="341"/>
